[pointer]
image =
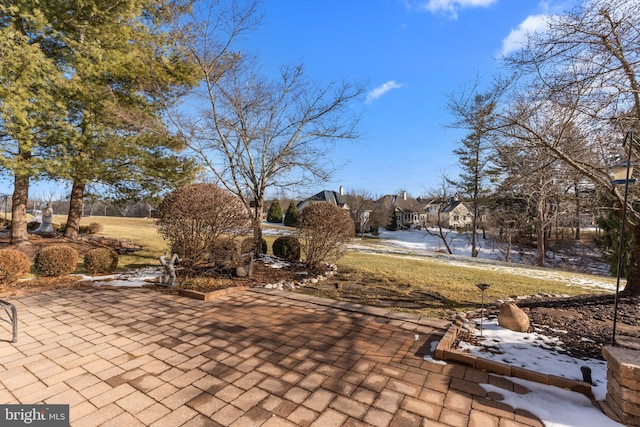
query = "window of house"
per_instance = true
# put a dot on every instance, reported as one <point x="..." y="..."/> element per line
<point x="456" y="217"/>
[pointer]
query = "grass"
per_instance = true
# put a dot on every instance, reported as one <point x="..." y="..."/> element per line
<point x="140" y="231"/>
<point x="456" y="284"/>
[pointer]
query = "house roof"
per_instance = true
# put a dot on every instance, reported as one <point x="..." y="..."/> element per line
<point x="451" y="205"/>
<point x="330" y="196"/>
<point x="409" y="204"/>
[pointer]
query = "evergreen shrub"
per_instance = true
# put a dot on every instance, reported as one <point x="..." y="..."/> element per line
<point x="291" y="216"/>
<point x="287" y="247"/>
<point x="274" y="214"/>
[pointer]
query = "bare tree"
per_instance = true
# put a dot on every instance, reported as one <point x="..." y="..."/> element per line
<point x="441" y="194"/>
<point x="586" y="67"/>
<point x="364" y="211"/>
<point x="255" y="134"/>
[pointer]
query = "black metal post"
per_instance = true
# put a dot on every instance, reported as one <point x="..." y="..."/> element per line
<point x="621" y="241"/>
<point x="483" y="287"/>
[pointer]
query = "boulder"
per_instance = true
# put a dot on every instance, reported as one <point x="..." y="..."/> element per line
<point x="513" y="318"/>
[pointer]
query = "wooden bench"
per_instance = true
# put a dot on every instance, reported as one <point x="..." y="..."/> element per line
<point x="11" y="311"/>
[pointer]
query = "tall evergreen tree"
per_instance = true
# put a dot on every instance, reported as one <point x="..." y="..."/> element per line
<point x="115" y="66"/>
<point x="275" y="212"/>
<point x="291" y="217"/>
<point x="31" y="111"/>
<point x="475" y="113"/>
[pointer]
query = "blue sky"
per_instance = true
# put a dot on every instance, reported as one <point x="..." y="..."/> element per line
<point x="412" y="53"/>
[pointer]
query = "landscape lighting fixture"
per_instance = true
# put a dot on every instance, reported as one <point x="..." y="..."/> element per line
<point x="621" y="175"/>
<point x="483" y="287"/>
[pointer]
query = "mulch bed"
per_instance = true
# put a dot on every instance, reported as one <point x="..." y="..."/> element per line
<point x="583" y="323"/>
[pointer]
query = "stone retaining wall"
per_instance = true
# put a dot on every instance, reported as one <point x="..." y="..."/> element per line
<point x="623" y="384"/>
<point x="446" y="353"/>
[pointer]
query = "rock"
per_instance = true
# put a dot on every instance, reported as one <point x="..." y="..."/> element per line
<point x="513" y="318"/>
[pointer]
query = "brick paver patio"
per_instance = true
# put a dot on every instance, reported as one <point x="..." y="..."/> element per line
<point x="136" y="357"/>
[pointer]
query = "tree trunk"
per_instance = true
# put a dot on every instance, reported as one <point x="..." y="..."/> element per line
<point x="578" y="212"/>
<point x="633" y="272"/>
<point x="19" y="235"/>
<point x="540" y="247"/>
<point x="75" y="210"/>
<point x="256" y="224"/>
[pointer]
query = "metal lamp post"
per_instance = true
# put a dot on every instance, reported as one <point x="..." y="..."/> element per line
<point x="483" y="287"/>
<point x="622" y="172"/>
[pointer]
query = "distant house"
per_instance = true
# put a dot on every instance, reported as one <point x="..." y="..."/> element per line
<point x="408" y="212"/>
<point x="335" y="198"/>
<point x="450" y="212"/>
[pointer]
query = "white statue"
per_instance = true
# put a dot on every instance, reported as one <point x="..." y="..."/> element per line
<point x="46" y="226"/>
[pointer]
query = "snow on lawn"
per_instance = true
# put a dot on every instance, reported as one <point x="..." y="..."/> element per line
<point x="418" y="244"/>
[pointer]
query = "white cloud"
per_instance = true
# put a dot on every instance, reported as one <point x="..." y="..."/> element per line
<point x="448" y="6"/>
<point x="517" y="38"/>
<point x="382" y="89"/>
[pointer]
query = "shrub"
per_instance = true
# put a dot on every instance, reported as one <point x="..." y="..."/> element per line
<point x="13" y="265"/>
<point x="291" y="216"/>
<point x="101" y="260"/>
<point x="192" y="218"/>
<point x="275" y="212"/>
<point x="248" y="246"/>
<point x="287" y="247"/>
<point x="324" y="230"/>
<point x="224" y="253"/>
<point x="93" y="228"/>
<point x="54" y="261"/>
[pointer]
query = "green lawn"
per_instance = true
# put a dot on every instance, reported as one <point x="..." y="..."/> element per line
<point x="455" y="283"/>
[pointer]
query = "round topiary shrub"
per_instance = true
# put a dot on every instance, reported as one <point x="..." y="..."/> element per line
<point x="101" y="260"/>
<point x="54" y="261"/>
<point x="13" y="265"/>
<point x="287" y="247"/>
<point x="192" y="218"/>
<point x="247" y="246"/>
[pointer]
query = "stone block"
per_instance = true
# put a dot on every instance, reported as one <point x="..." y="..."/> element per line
<point x="625" y="393"/>
<point x="573" y="385"/>
<point x="527" y="374"/>
<point x="493" y="366"/>
<point x="625" y="418"/>
<point x="625" y="362"/>
<point x="459" y="357"/>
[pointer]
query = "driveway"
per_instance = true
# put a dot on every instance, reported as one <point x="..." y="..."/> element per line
<point x="137" y="357"/>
